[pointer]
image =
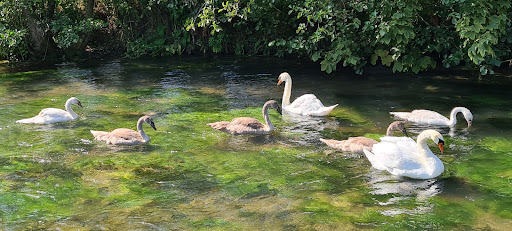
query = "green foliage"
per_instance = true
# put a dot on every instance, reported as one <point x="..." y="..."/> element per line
<point x="481" y="25"/>
<point x="12" y="44"/>
<point x="68" y="33"/>
<point x="12" y="35"/>
<point x="405" y="35"/>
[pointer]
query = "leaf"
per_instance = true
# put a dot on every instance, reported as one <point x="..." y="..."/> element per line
<point x="398" y="66"/>
<point x="374" y="59"/>
<point x="483" y="70"/>
<point x="316" y="56"/>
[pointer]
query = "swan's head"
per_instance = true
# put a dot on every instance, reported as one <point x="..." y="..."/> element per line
<point x="398" y="126"/>
<point x="467" y="115"/>
<point x="75" y="100"/>
<point x="148" y="120"/>
<point x="283" y="77"/>
<point x="275" y="105"/>
<point x="437" y="138"/>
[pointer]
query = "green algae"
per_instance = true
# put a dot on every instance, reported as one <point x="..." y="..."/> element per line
<point x="348" y="114"/>
<point x="192" y="177"/>
<point x="497" y="144"/>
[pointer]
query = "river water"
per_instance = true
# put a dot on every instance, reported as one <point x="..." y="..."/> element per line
<point x="191" y="177"/>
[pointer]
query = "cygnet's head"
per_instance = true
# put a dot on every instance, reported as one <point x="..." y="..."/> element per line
<point x="396" y="126"/>
<point x="148" y="120"/>
<point x="275" y="105"/>
<point x="283" y="77"/>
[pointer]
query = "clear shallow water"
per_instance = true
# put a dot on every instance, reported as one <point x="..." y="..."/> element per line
<point x="194" y="178"/>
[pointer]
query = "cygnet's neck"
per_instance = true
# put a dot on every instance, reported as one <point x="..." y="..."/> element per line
<point x="270" y="126"/>
<point x="68" y="104"/>
<point x="141" y="131"/>
<point x="390" y="130"/>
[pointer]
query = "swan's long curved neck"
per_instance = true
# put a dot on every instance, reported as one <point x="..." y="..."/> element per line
<point x="270" y="126"/>
<point x="69" y="109"/>
<point x="422" y="143"/>
<point x="141" y="131"/>
<point x="453" y="116"/>
<point x="287" y="92"/>
<point x="428" y="159"/>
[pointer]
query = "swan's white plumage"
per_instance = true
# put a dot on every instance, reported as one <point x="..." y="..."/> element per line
<point x="403" y="156"/>
<point x="422" y="116"/>
<point x="307" y="104"/>
<point x="54" y="115"/>
<point x="125" y="136"/>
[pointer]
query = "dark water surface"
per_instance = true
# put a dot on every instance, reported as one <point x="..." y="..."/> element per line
<point x="191" y="177"/>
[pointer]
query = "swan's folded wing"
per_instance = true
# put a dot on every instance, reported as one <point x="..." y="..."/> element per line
<point x="218" y="125"/>
<point x="322" y="111"/>
<point x="401" y="115"/>
<point x="100" y="135"/>
<point x="374" y="160"/>
<point x="427" y="117"/>
<point x="394" y="156"/>
<point x="353" y="144"/>
<point x="52" y="112"/>
<point x="246" y="122"/>
<point x="396" y="139"/>
<point x="402" y="142"/>
<point x="54" y="115"/>
<point x="124" y="135"/>
<point x="307" y="102"/>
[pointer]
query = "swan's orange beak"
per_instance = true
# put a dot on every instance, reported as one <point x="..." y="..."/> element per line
<point x="279" y="82"/>
<point x="441" y="144"/>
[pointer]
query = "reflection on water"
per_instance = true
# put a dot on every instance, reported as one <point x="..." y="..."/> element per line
<point x="308" y="127"/>
<point x="176" y="78"/>
<point x="400" y="190"/>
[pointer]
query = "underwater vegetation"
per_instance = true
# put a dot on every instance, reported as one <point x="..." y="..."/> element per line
<point x="193" y="177"/>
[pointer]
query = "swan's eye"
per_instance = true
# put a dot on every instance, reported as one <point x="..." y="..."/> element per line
<point x="440" y="141"/>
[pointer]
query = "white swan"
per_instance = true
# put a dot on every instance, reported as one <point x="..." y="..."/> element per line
<point x="358" y="144"/>
<point x="54" y="115"/>
<point x="431" y="117"/>
<point x="402" y="156"/>
<point x="307" y="104"/>
<point x="124" y="135"/>
<point x="248" y="125"/>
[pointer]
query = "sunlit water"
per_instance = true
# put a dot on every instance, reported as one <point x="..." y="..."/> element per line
<point x="191" y="177"/>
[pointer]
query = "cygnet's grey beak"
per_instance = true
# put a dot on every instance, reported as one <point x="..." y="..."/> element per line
<point x="405" y="132"/>
<point x="469" y="123"/>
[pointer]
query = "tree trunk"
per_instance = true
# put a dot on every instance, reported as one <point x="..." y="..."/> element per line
<point x="89" y="10"/>
<point x="40" y="39"/>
